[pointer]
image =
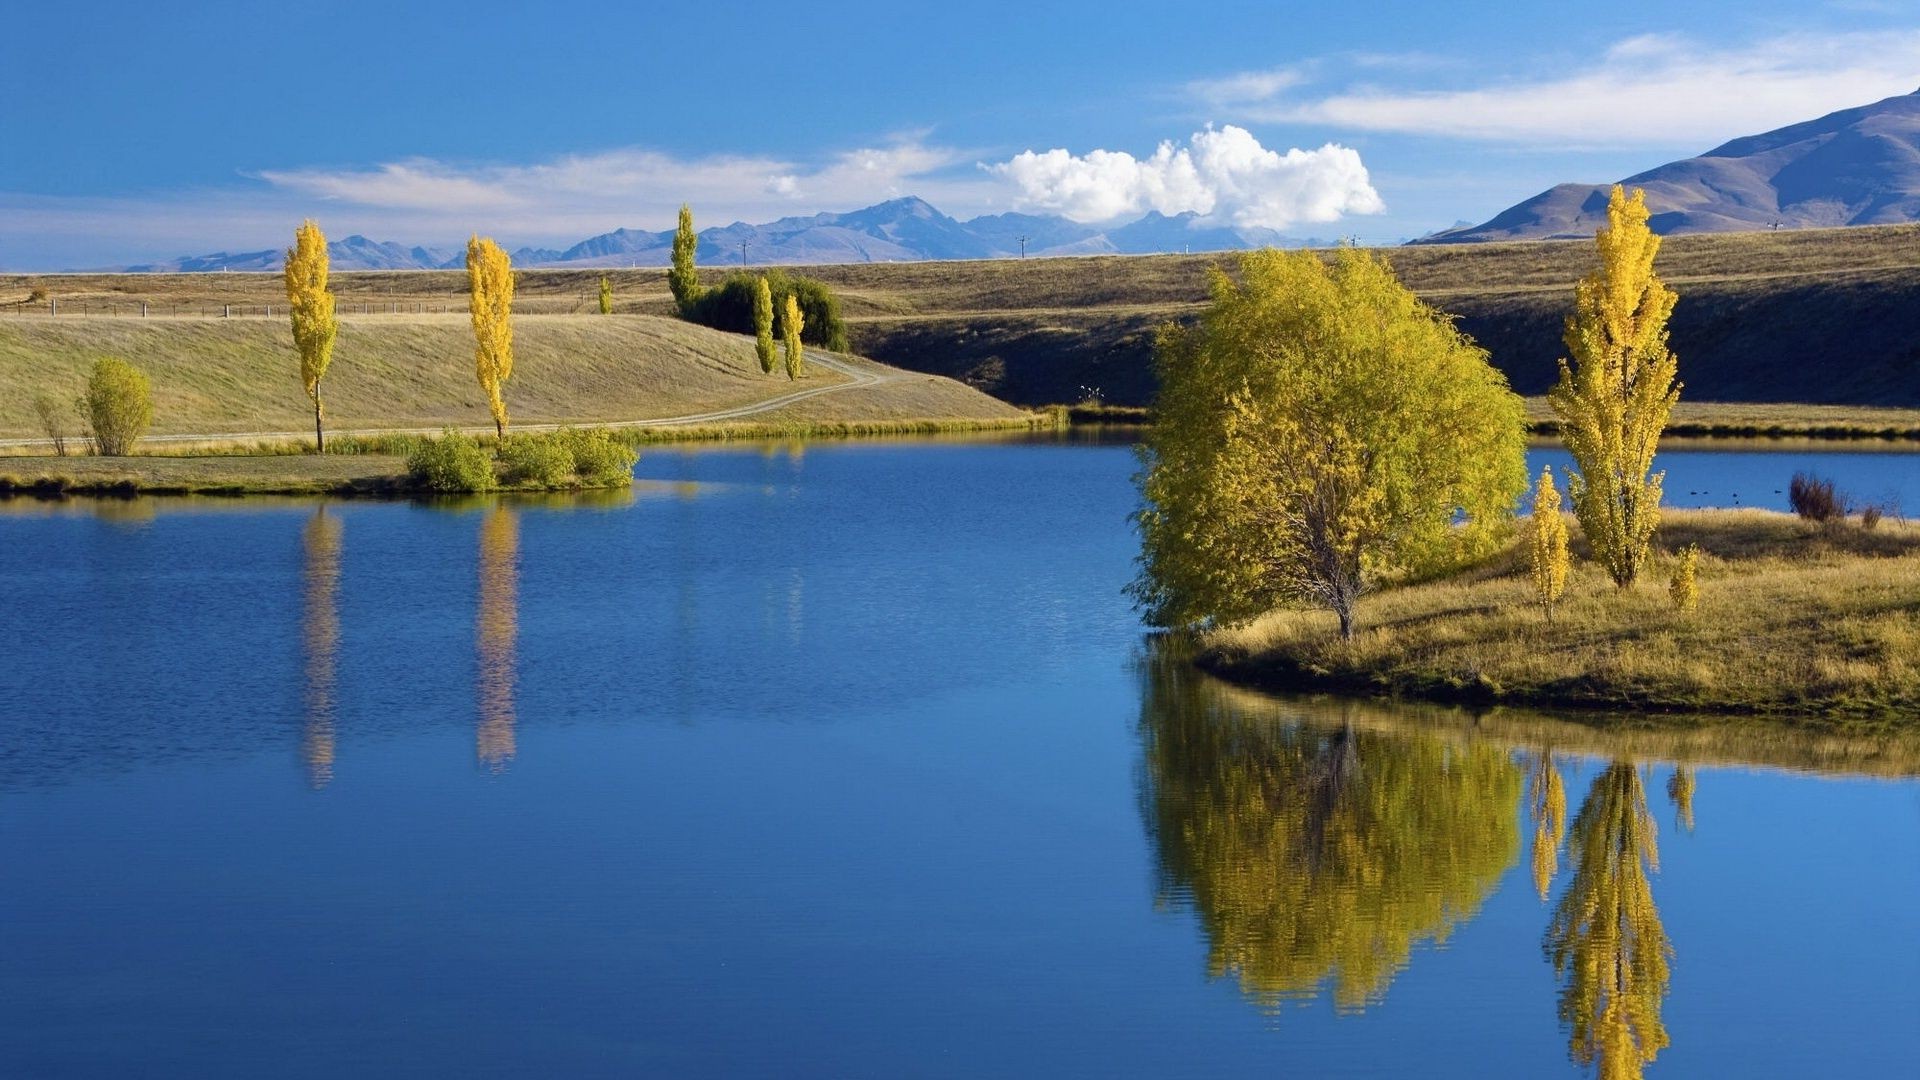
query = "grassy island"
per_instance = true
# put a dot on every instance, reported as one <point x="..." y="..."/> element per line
<point x="1795" y="619"/>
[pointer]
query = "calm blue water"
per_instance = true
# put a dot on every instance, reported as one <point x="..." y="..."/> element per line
<point x="843" y="762"/>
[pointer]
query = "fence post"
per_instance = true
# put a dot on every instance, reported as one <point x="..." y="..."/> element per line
<point x="53" y="305"/>
<point x="143" y="309"/>
<point x="226" y="311"/>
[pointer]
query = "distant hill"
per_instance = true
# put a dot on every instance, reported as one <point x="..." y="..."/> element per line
<point x="899" y="230"/>
<point x="1858" y="166"/>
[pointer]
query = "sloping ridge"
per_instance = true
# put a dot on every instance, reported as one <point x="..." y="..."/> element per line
<point x="1858" y="166"/>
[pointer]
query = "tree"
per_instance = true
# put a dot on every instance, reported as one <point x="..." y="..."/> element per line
<point x="1617" y="390"/>
<point x="763" y="324"/>
<point x="490" y="280"/>
<point x="53" y="421"/>
<point x="606" y="295"/>
<point x="1684" y="589"/>
<point x="117" y="406"/>
<point x="1319" y="430"/>
<point x="1547" y="543"/>
<point x="683" y="279"/>
<point x="791" y="324"/>
<point x="310" y="303"/>
<point x="1605" y="939"/>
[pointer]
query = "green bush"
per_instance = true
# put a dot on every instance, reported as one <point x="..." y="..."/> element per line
<point x="599" y="460"/>
<point x="730" y="307"/>
<point x="116" y="407"/>
<point x="451" y="463"/>
<point x="541" y="461"/>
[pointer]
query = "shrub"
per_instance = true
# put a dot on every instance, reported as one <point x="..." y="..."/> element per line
<point x="537" y="461"/>
<point x="1684" y="590"/>
<point x="451" y="463"/>
<point x="1815" y="499"/>
<point x="1870" y="516"/>
<point x="730" y="307"/>
<point x="37" y="295"/>
<point x="598" y="459"/>
<point x="116" y="407"/>
<point x="53" y="421"/>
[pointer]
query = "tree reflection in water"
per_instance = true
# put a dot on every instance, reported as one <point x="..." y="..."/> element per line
<point x="495" y="633"/>
<point x="1547" y="805"/>
<point x="1317" y="853"/>
<point x="320" y="638"/>
<point x="1605" y="940"/>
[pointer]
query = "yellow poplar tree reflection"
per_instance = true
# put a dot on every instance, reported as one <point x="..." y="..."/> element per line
<point x="1605" y="939"/>
<point x="1318" y="855"/>
<point x="496" y="629"/>
<point x="320" y="634"/>
<point x="1547" y="804"/>
<point x="1680" y="792"/>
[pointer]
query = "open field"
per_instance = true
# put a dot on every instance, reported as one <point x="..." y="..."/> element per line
<point x="1821" y="316"/>
<point x="1794" y="619"/>
<point x="238" y="378"/>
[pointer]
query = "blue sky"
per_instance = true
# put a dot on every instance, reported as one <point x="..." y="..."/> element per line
<point x="141" y="132"/>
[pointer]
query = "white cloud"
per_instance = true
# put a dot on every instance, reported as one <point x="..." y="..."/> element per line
<point x="1648" y="90"/>
<point x="1220" y="174"/>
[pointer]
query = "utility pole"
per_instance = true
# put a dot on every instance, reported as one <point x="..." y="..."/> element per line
<point x="743" y="253"/>
<point x="1023" y="238"/>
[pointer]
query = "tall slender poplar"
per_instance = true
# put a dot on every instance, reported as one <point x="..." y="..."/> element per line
<point x="763" y="324"/>
<point x="490" y="281"/>
<point x="310" y="304"/>
<point x="792" y="322"/>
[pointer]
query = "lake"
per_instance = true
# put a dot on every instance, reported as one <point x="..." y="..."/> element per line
<point x="851" y="759"/>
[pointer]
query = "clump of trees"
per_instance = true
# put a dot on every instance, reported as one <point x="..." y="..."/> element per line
<point x="490" y="301"/>
<point x="310" y="305"/>
<point x="117" y="406"/>
<point x="730" y="306"/>
<point x="763" y="324"/>
<point x="455" y="463"/>
<point x="1617" y="390"/>
<point x="792" y="322"/>
<point x="733" y="305"/>
<point x="1320" y="430"/>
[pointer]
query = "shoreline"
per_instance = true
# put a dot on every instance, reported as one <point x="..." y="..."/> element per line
<point x="375" y="466"/>
<point x="1797" y="623"/>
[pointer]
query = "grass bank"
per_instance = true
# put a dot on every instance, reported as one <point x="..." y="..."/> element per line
<point x="1794" y="620"/>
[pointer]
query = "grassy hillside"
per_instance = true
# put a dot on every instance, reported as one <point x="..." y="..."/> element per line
<point x="1827" y="316"/>
<point x="213" y="375"/>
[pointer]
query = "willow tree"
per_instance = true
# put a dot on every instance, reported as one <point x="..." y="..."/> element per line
<point x="490" y="299"/>
<point x="763" y="324"/>
<point x="683" y="279"/>
<point x="1617" y="390"/>
<point x="1318" y="431"/>
<point x="310" y="303"/>
<point x="791" y="323"/>
<point x="1605" y="939"/>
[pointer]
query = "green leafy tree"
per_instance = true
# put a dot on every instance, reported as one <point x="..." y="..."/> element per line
<point x="606" y="295"/>
<point x="310" y="304"/>
<point x="791" y="323"/>
<point x="683" y="279"/>
<point x="117" y="406"/>
<point x="1319" y="430"/>
<point x="1614" y="396"/>
<point x="763" y="324"/>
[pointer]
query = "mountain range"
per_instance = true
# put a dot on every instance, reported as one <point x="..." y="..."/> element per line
<point x="900" y="230"/>
<point x="1858" y="166"/>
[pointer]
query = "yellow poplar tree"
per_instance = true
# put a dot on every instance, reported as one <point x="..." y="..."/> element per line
<point x="1547" y="543"/>
<point x="683" y="279"/>
<point x="490" y="280"/>
<point x="606" y="295"/>
<point x="310" y="303"/>
<point x="1684" y="590"/>
<point x="791" y="323"/>
<point x="763" y="324"/>
<point x="1617" y="390"/>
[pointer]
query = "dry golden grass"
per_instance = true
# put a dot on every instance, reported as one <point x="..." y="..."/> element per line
<point x="1793" y="619"/>
<point x="412" y="371"/>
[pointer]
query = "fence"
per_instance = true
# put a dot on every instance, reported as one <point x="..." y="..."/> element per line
<point x="344" y="305"/>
